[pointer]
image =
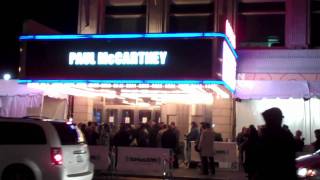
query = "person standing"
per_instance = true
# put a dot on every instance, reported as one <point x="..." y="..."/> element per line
<point x="250" y="149"/>
<point x="206" y="149"/>
<point x="193" y="135"/>
<point x="316" y="144"/>
<point x="169" y="140"/>
<point x="276" y="149"/>
<point x="299" y="141"/>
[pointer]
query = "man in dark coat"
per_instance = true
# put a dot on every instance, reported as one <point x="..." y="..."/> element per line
<point x="316" y="144"/>
<point x="169" y="140"/>
<point x="276" y="149"/>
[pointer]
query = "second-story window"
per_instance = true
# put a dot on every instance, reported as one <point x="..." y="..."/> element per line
<point x="127" y="16"/>
<point x="261" y="24"/>
<point x="315" y="19"/>
<point x="191" y="16"/>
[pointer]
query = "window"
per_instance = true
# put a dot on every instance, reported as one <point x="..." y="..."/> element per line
<point x="315" y="19"/>
<point x="191" y="16"/>
<point x="16" y="133"/>
<point x="261" y="24"/>
<point x="68" y="134"/>
<point x="125" y="17"/>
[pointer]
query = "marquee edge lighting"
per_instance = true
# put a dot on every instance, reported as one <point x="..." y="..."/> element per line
<point x="131" y="36"/>
<point x="24" y="81"/>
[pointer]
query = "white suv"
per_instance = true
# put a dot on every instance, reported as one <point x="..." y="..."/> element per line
<point x="35" y="149"/>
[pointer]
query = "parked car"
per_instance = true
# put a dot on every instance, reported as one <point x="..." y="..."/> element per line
<point x="39" y="149"/>
<point x="309" y="166"/>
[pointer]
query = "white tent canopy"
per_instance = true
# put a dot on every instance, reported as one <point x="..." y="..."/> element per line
<point x="299" y="114"/>
<point x="16" y="100"/>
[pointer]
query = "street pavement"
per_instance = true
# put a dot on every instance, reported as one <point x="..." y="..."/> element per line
<point x="181" y="173"/>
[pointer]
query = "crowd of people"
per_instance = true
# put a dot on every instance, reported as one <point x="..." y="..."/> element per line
<point x="270" y="150"/>
<point x="265" y="151"/>
<point x="150" y="134"/>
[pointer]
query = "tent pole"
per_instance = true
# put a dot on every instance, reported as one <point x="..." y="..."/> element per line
<point x="41" y="108"/>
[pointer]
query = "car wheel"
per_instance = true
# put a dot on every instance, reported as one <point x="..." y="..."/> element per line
<point x="18" y="173"/>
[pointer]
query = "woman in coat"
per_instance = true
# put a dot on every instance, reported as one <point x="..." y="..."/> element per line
<point x="206" y="149"/>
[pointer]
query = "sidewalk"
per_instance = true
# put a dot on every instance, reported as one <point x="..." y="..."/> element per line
<point x="181" y="173"/>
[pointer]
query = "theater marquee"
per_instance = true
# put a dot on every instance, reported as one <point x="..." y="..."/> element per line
<point x="165" y="56"/>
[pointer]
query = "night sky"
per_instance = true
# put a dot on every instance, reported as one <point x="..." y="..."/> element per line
<point x="60" y="15"/>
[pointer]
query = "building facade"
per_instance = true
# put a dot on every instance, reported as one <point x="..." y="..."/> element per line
<point x="277" y="43"/>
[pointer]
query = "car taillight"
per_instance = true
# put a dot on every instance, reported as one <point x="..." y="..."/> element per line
<point x="56" y="156"/>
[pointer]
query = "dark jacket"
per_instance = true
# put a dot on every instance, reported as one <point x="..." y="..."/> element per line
<point x="169" y="140"/>
<point x="276" y="155"/>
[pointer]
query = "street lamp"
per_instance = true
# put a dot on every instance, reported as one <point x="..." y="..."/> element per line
<point x="6" y="76"/>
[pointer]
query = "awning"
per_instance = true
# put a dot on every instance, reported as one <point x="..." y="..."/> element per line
<point x="255" y="89"/>
<point x="12" y="88"/>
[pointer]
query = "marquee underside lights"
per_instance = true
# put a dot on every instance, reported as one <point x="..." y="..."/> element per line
<point x="142" y="84"/>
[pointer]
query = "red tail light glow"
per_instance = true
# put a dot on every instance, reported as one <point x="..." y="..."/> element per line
<point x="56" y="156"/>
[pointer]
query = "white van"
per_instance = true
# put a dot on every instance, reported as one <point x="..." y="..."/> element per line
<point x="35" y="149"/>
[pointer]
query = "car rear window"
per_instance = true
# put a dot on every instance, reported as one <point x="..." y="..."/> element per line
<point x="20" y="133"/>
<point x="68" y="133"/>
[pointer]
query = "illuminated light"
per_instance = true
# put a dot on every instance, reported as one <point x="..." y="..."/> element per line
<point x="220" y="92"/>
<point x="117" y="85"/>
<point x="111" y="119"/>
<point x="173" y="35"/>
<point x="64" y="89"/>
<point x="142" y="104"/>
<point x="6" y="76"/>
<point x="229" y="67"/>
<point x="170" y="86"/>
<point x="82" y="58"/>
<point x="302" y="172"/>
<point x="311" y="172"/>
<point x="173" y="81"/>
<point x="213" y="34"/>
<point x="28" y="37"/>
<point x="116" y="36"/>
<point x="105" y="85"/>
<point x="156" y="86"/>
<point x="65" y="36"/>
<point x="127" y="120"/>
<point x="130" y="85"/>
<point x="142" y="86"/>
<point x="118" y="58"/>
<point x="56" y="156"/>
<point x="151" y="83"/>
<point x="183" y="85"/>
<point x="22" y="81"/>
<point x="209" y="82"/>
<point x="93" y="85"/>
<point x="230" y="34"/>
